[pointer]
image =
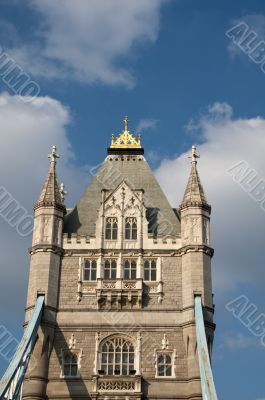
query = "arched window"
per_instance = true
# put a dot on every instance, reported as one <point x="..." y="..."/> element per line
<point x="110" y="269"/>
<point x="130" y="269"/>
<point x="164" y="364"/>
<point x="131" y="229"/>
<point x="150" y="270"/>
<point x="117" y="357"/>
<point x="70" y="364"/>
<point x="90" y="270"/>
<point x="111" y="230"/>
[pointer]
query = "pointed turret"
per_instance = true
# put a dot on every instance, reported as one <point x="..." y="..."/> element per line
<point x="45" y="254"/>
<point x="50" y="195"/>
<point x="196" y="257"/>
<point x="194" y="193"/>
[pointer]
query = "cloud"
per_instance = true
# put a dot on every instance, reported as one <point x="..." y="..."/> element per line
<point x="146" y="124"/>
<point x="28" y="130"/>
<point x="88" y="40"/>
<point x="237" y="220"/>
<point x="237" y="342"/>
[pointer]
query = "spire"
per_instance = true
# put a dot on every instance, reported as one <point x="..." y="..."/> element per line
<point x="194" y="193"/>
<point x="50" y="195"/>
<point x="125" y="140"/>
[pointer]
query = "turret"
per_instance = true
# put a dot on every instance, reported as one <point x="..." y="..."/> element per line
<point x="195" y="234"/>
<point x="196" y="261"/>
<point x="47" y="239"/>
<point x="45" y="253"/>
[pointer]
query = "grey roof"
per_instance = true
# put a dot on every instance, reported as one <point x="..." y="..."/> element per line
<point x="163" y="220"/>
<point x="194" y="193"/>
<point x="50" y="194"/>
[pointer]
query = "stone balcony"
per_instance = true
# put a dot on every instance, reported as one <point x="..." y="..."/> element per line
<point x="119" y="293"/>
<point x="117" y="384"/>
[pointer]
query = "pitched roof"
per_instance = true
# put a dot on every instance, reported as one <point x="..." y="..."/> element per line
<point x="194" y="193"/>
<point x="50" y="193"/>
<point x="136" y="172"/>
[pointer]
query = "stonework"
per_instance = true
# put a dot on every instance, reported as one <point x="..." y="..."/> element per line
<point x="119" y="273"/>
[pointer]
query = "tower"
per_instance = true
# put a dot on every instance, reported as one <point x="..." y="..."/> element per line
<point x="119" y="272"/>
<point x="45" y="262"/>
<point x="196" y="262"/>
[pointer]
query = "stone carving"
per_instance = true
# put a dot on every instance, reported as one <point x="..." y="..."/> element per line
<point x="165" y="343"/>
<point x="113" y="386"/>
<point x="109" y="285"/>
<point x="72" y="342"/>
<point x="129" y="285"/>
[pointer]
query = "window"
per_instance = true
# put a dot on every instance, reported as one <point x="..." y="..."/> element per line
<point x="164" y="364"/>
<point x="131" y="229"/>
<point x="110" y="269"/>
<point x="130" y="269"/>
<point x="70" y="364"/>
<point x="150" y="270"/>
<point x="90" y="270"/>
<point x="111" y="232"/>
<point x="117" y="357"/>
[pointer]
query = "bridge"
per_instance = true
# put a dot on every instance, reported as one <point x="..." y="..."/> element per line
<point x="11" y="384"/>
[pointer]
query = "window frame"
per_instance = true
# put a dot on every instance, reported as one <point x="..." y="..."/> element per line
<point x="111" y="226"/>
<point x="91" y="269"/>
<point x="131" y="229"/>
<point x="129" y="269"/>
<point x="150" y="270"/>
<point x="117" y="357"/>
<point x="165" y="365"/>
<point x="111" y="268"/>
<point x="70" y="364"/>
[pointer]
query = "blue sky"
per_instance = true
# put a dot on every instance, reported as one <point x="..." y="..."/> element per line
<point x="170" y="66"/>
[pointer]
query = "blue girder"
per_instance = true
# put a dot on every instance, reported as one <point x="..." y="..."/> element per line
<point x="15" y="373"/>
<point x="207" y="382"/>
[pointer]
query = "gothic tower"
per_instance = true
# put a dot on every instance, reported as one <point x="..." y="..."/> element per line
<point x="119" y="273"/>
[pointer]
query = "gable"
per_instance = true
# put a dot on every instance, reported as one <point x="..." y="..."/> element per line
<point x="135" y="171"/>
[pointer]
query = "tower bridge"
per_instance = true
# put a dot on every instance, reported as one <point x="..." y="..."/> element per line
<point x="119" y="298"/>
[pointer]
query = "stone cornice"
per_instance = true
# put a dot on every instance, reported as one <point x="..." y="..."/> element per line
<point x="199" y="204"/>
<point x="43" y="204"/>
<point x="145" y="253"/>
<point x="192" y="248"/>
<point x="52" y="248"/>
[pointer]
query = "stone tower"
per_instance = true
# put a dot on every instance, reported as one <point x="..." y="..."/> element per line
<point x="119" y="273"/>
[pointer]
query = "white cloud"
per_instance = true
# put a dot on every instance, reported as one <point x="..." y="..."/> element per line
<point x="88" y="40"/>
<point x="238" y="341"/>
<point x="237" y="220"/>
<point x="146" y="124"/>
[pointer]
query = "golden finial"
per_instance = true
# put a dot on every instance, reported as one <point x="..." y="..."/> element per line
<point x="125" y="140"/>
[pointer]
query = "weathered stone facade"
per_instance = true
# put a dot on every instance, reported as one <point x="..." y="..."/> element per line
<point x="119" y="273"/>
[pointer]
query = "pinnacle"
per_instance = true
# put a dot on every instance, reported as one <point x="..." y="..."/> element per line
<point x="50" y="194"/>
